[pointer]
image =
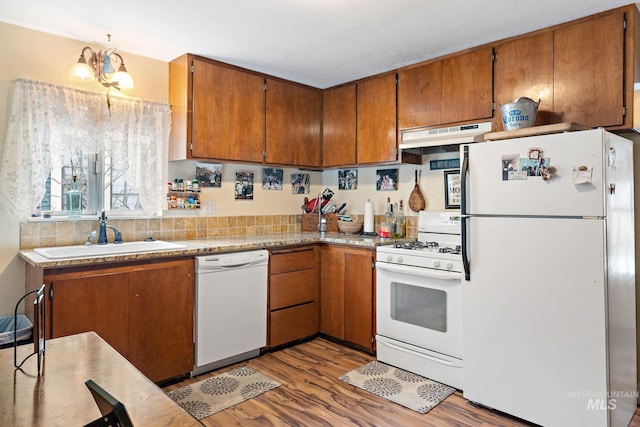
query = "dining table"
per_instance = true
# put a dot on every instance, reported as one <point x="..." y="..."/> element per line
<point x="59" y="396"/>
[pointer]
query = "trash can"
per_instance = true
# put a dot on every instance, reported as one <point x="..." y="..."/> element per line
<point x="24" y="329"/>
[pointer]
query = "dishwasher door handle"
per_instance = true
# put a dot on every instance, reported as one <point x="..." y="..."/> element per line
<point x="238" y="265"/>
<point x="228" y="262"/>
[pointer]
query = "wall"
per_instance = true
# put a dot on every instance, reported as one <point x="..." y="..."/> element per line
<point x="39" y="56"/>
<point x="431" y="183"/>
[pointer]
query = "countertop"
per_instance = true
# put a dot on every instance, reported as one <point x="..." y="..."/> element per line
<point x="215" y="245"/>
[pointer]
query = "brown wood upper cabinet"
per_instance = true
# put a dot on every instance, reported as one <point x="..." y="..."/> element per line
<point x="589" y="76"/>
<point x="293" y="124"/>
<point x="339" y="126"/>
<point x="218" y="111"/>
<point x="524" y="67"/>
<point x="376" y="129"/>
<point x="577" y="70"/>
<point x="451" y="90"/>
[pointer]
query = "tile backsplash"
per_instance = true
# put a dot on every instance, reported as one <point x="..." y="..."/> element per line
<point x="62" y="233"/>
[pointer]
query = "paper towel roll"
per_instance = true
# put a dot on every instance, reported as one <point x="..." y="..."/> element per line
<point x="368" y="217"/>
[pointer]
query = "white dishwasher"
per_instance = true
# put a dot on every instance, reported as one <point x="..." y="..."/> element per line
<point x="231" y="308"/>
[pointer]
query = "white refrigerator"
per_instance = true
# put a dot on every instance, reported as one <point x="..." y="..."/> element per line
<point x="549" y="329"/>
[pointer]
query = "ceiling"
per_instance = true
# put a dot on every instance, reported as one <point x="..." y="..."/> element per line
<point x="321" y="43"/>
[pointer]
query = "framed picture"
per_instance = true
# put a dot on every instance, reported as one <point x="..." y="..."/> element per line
<point x="387" y="179"/>
<point x="272" y="178"/>
<point x="209" y="174"/>
<point x="300" y="183"/>
<point x="347" y="179"/>
<point x="452" y="189"/>
<point x="244" y="186"/>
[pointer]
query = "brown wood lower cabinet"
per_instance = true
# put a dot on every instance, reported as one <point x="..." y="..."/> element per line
<point x="145" y="311"/>
<point x="347" y="294"/>
<point x="293" y="294"/>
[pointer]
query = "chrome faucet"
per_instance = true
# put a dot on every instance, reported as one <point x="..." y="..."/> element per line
<point x="91" y="237"/>
<point x="102" y="239"/>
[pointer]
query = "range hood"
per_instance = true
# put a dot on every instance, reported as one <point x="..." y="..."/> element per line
<point x="426" y="141"/>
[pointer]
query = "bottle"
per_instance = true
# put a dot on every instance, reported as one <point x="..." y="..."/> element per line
<point x="74" y="200"/>
<point x="395" y="225"/>
<point x="388" y="217"/>
<point x="401" y="221"/>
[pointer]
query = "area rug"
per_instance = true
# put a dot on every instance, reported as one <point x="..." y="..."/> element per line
<point x="206" y="397"/>
<point x="399" y="386"/>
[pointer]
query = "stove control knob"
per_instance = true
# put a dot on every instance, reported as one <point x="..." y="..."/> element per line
<point x="400" y="260"/>
<point x="436" y="264"/>
<point x="449" y="265"/>
<point x="389" y="258"/>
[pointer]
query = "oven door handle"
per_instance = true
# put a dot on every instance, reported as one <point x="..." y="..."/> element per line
<point x="419" y="271"/>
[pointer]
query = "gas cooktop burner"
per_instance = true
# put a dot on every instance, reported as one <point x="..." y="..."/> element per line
<point x="411" y="245"/>
<point x="455" y="251"/>
<point x="432" y="246"/>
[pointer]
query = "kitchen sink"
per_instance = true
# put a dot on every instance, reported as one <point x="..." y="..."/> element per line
<point x="81" y="251"/>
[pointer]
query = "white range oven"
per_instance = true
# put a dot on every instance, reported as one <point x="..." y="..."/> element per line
<point x="419" y="301"/>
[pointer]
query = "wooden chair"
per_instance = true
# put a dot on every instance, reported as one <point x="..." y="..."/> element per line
<point x="38" y="328"/>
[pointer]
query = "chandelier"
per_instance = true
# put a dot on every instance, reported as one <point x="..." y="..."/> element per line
<point x="99" y="65"/>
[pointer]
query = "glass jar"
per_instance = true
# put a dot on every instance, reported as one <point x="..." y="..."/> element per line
<point x="385" y="230"/>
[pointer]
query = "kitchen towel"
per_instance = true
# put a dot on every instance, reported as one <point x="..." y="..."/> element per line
<point x="368" y="217"/>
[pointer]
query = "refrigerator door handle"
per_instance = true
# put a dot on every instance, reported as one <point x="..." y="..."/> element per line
<point x="464" y="170"/>
<point x="465" y="243"/>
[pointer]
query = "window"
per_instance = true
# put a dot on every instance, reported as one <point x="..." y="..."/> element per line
<point x="115" y="145"/>
<point x="108" y="190"/>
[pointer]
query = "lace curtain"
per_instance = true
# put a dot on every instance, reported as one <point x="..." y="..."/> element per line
<point x="47" y="124"/>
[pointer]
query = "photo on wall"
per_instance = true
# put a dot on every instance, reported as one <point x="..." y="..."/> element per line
<point x="452" y="191"/>
<point x="347" y="179"/>
<point x="272" y="178"/>
<point x="387" y="179"/>
<point x="209" y="174"/>
<point x="300" y="183"/>
<point x="244" y="186"/>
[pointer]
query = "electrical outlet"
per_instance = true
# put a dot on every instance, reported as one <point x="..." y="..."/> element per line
<point x="209" y="208"/>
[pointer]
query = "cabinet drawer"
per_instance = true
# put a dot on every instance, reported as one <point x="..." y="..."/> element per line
<point x="293" y="288"/>
<point x="293" y="323"/>
<point x="293" y="260"/>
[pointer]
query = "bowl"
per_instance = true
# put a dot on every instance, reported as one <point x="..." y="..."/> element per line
<point x="350" y="227"/>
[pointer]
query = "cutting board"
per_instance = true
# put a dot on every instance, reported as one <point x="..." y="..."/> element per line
<point x="535" y="130"/>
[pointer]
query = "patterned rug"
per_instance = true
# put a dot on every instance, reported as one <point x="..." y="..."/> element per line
<point x="399" y="386"/>
<point x="214" y="394"/>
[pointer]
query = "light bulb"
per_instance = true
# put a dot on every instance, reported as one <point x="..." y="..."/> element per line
<point x="82" y="72"/>
<point x="123" y="79"/>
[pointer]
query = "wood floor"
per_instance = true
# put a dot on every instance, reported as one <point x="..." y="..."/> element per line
<point x="312" y="395"/>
